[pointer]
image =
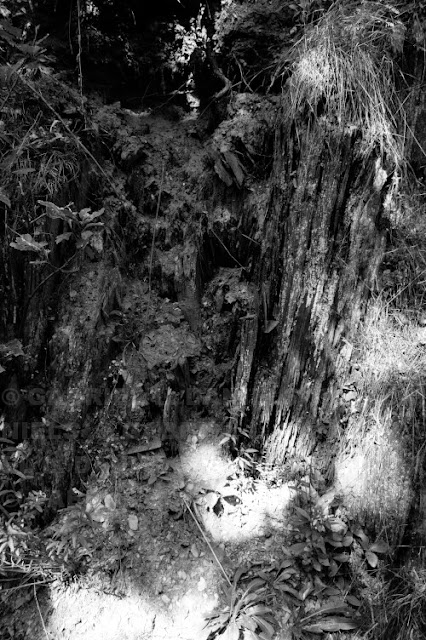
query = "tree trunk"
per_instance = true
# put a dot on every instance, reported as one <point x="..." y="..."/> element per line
<point x="321" y="249"/>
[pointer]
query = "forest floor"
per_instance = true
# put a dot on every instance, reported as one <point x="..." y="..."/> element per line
<point x="155" y="537"/>
<point x="167" y="528"/>
<point x="159" y="541"/>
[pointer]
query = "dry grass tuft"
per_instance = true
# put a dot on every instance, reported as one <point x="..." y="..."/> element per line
<point x="381" y="450"/>
<point x="403" y="275"/>
<point x="401" y="607"/>
<point x="344" y="66"/>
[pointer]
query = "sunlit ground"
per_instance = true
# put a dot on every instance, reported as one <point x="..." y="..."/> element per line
<point x="241" y="519"/>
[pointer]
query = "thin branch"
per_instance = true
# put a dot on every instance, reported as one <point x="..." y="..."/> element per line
<point x="80" y="69"/>
<point x="188" y="506"/>
<point x="39" y="612"/>
<point x="227" y="250"/>
<point x="155" y="229"/>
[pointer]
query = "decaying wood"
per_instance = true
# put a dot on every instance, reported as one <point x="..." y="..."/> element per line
<point x="321" y="249"/>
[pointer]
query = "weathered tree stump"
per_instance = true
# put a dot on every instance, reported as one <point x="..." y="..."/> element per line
<point x="323" y="242"/>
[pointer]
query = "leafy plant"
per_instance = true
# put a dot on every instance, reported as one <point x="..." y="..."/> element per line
<point x="312" y="582"/>
<point x="246" y="612"/>
<point x="69" y="541"/>
<point x="82" y="226"/>
<point x="244" y="457"/>
<point x="22" y="552"/>
<point x="324" y="542"/>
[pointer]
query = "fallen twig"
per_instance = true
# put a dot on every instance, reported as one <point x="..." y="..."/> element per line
<point x="188" y="506"/>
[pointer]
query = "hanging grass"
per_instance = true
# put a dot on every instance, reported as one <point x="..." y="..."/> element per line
<point x="343" y="69"/>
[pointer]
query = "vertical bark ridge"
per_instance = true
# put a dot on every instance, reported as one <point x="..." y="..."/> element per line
<point x="320" y="254"/>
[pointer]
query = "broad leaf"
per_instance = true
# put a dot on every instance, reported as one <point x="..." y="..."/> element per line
<point x="257" y="609"/>
<point x="287" y="589"/>
<point x="265" y="625"/>
<point x="379" y="547"/>
<point x="59" y="213"/>
<point x="285" y="564"/>
<point x="247" y="622"/>
<point x="27" y="243"/>
<point x="334" y="568"/>
<point x="302" y="513"/>
<point x="331" y="624"/>
<point x="337" y="525"/>
<point x="341" y="557"/>
<point x="285" y="575"/>
<point x="239" y="572"/>
<point x="334" y="606"/>
<point x="87" y="217"/>
<point x="353" y="601"/>
<point x="258" y="582"/>
<point x="372" y="559"/>
<point x="231" y="632"/>
<point x="298" y="548"/>
<point x="63" y="236"/>
<point x="303" y="594"/>
<point x="359" y="533"/>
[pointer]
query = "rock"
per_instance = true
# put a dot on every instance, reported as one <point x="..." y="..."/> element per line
<point x="165" y="599"/>
<point x="133" y="522"/>
<point x="202" y="584"/>
<point x="109" y="502"/>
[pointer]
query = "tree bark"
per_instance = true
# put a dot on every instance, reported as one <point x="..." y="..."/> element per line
<point x="322" y="245"/>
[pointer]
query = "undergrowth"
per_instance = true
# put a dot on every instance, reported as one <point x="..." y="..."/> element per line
<point x="314" y="587"/>
<point x="343" y="68"/>
<point x="381" y="459"/>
